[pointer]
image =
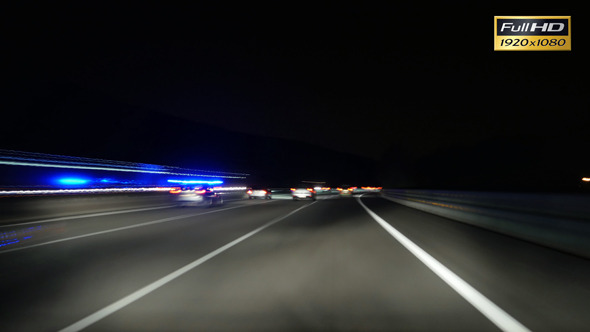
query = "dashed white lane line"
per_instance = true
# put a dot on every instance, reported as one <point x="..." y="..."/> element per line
<point x="148" y="223"/>
<point x="90" y="215"/>
<point x="118" y="305"/>
<point x="98" y="214"/>
<point x="489" y="309"/>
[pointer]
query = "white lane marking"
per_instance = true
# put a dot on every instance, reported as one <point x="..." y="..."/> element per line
<point x="489" y="309"/>
<point x="99" y="214"/>
<point x="120" y="304"/>
<point x="148" y="223"/>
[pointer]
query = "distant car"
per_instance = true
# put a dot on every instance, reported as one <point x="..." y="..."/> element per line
<point x="196" y="196"/>
<point x="303" y="192"/>
<point x="370" y="189"/>
<point x="254" y="193"/>
<point x="345" y="190"/>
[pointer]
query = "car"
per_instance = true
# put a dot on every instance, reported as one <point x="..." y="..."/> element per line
<point x="196" y="196"/>
<point x="345" y="190"/>
<point x="258" y="192"/>
<point x="303" y="192"/>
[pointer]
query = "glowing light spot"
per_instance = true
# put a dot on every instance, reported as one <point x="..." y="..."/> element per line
<point x="72" y="181"/>
<point x="586" y="179"/>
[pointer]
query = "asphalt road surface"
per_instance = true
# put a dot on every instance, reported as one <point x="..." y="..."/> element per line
<point x="337" y="264"/>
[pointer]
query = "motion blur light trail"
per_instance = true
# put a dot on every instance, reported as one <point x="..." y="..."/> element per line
<point x="21" y="172"/>
<point x="103" y="191"/>
<point x="17" y="236"/>
<point x="212" y="182"/>
<point x="79" y="191"/>
<point x="18" y="158"/>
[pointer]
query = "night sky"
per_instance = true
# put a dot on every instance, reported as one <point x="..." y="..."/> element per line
<point x="416" y="91"/>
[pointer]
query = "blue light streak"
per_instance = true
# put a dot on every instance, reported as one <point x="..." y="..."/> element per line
<point x="16" y="236"/>
<point x="209" y="182"/>
<point x="4" y="243"/>
<point x="58" y="172"/>
<point x="19" y="158"/>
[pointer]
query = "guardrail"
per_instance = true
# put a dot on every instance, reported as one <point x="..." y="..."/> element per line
<point x="559" y="221"/>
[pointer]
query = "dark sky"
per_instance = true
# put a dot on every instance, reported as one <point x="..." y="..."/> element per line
<point x="355" y="77"/>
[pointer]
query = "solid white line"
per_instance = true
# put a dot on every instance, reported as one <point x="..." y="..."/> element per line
<point x="494" y="313"/>
<point x="148" y="223"/>
<point x="99" y="214"/>
<point x="118" y="305"/>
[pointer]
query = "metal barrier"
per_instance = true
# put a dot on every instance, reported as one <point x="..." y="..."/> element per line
<point x="559" y="221"/>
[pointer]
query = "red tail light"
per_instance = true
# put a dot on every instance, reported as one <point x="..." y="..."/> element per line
<point x="175" y="191"/>
<point x="311" y="190"/>
<point x="292" y="189"/>
<point x="200" y="191"/>
<point x="249" y="192"/>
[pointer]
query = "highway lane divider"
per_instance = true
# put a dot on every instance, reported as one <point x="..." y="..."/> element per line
<point x="558" y="221"/>
<point x="117" y="229"/>
<point x="23" y="210"/>
<point x="83" y="216"/>
<point x="122" y="303"/>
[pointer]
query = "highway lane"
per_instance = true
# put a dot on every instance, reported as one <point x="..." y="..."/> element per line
<point x="326" y="265"/>
<point x="59" y="278"/>
<point x="544" y="289"/>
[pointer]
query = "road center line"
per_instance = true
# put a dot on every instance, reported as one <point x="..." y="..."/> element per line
<point x="489" y="309"/>
<point x="148" y="223"/>
<point x="118" y="305"/>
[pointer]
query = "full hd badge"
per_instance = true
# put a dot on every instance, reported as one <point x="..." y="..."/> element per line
<point x="532" y="33"/>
